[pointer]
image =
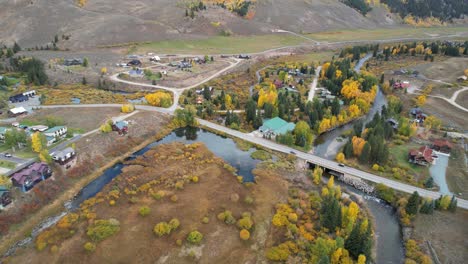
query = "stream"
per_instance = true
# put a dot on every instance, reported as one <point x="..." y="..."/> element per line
<point x="329" y="143"/>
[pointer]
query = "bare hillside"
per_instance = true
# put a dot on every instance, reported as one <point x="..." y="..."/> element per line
<point x="103" y="22"/>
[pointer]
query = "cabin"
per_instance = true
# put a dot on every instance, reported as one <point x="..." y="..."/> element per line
<point x="244" y="57"/>
<point x="276" y="126"/>
<point x="423" y="156"/>
<point x="134" y="63"/>
<point x="121" y="127"/>
<point x="62" y="157"/>
<point x="184" y="65"/>
<point x="401" y="85"/>
<point x="31" y="93"/>
<point x="462" y="78"/>
<point x="5" y="196"/>
<point x="442" y="146"/>
<point x="27" y="178"/>
<point x="74" y="61"/>
<point x="418" y="114"/>
<point x="17" y="111"/>
<point x="394" y="123"/>
<point x="18" y="98"/>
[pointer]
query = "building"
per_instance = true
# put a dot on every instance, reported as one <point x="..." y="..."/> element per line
<point x="136" y="72"/>
<point x="244" y="56"/>
<point x="121" y="127"/>
<point x="39" y="128"/>
<point x="394" y="123"/>
<point x="30" y="176"/>
<point x="418" y="114"/>
<point x="134" y="63"/>
<point x="17" y="111"/>
<point x="462" y="78"/>
<point x="276" y="126"/>
<point x="5" y="196"/>
<point x="56" y="132"/>
<point x="62" y="157"/>
<point x="423" y="156"/>
<point x="442" y="145"/>
<point x="30" y="93"/>
<point x="74" y="61"/>
<point x="18" y="98"/>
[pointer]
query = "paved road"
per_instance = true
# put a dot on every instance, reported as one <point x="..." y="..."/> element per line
<point x="313" y="86"/>
<point x="328" y="163"/>
<point x="12" y="159"/>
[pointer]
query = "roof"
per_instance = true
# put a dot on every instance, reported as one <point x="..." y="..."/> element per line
<point x="121" y="125"/>
<point x="33" y="171"/>
<point x="277" y="125"/>
<point x="39" y="127"/>
<point x="442" y="143"/>
<point x="62" y="154"/>
<point x="3" y="130"/>
<point x="422" y="152"/>
<point x="18" y="110"/>
<point x="54" y="129"/>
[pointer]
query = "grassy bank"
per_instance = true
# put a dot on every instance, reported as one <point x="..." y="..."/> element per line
<point x="457" y="173"/>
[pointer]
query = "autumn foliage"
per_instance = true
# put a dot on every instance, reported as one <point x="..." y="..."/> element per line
<point x="160" y="99"/>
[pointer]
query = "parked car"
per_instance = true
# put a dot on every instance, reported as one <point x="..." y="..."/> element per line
<point x="341" y="164"/>
<point x="292" y="152"/>
<point x="8" y="155"/>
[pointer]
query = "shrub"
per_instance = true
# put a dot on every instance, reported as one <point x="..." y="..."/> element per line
<point x="292" y="217"/>
<point x="179" y="185"/>
<point x="194" y="237"/>
<point x="174" y="198"/>
<point x="248" y="200"/>
<point x="245" y="223"/>
<point x="158" y="195"/>
<point x="162" y="229"/>
<point x="376" y="167"/>
<point x="174" y="223"/>
<point x="205" y="220"/>
<point x="261" y="155"/>
<point x="127" y="108"/>
<point x="102" y="229"/>
<point x="144" y="211"/>
<point x="227" y="217"/>
<point x="244" y="234"/>
<point x="89" y="247"/>
<point x="179" y="242"/>
<point x="111" y="202"/>
<point x="54" y="249"/>
<point x="195" y="179"/>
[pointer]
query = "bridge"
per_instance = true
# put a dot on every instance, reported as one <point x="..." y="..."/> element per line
<point x="328" y="164"/>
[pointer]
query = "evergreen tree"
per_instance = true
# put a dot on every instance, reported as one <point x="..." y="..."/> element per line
<point x="453" y="204"/>
<point x="250" y="110"/>
<point x="330" y="213"/>
<point x="16" y="48"/>
<point x="324" y="260"/>
<point x="206" y="93"/>
<point x="429" y="183"/>
<point x="365" y="154"/>
<point x="258" y="121"/>
<point x="413" y="204"/>
<point x="83" y="81"/>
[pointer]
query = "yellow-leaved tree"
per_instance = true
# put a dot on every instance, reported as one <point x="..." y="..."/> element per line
<point x="317" y="175"/>
<point x="340" y="157"/>
<point x="420" y="100"/>
<point x="5" y="181"/>
<point x="161" y="99"/>
<point x="127" y="108"/>
<point x="38" y="142"/>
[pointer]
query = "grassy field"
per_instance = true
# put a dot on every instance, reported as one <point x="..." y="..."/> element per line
<point x="7" y="164"/>
<point x="457" y="173"/>
<point x="399" y="154"/>
<point x="362" y="34"/>
<point x="220" y="44"/>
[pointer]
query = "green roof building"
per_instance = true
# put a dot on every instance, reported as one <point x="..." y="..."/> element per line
<point x="276" y="126"/>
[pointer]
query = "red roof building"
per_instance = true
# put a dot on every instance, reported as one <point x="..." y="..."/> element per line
<point x="442" y="145"/>
<point x="422" y="156"/>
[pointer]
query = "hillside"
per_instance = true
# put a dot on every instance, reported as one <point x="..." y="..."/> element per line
<point x="103" y="22"/>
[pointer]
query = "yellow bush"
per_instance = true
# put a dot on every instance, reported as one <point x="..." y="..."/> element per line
<point x="161" y="99"/>
<point x="90" y="247"/>
<point x="127" y="108"/>
<point x="195" y="179"/>
<point x="244" y="234"/>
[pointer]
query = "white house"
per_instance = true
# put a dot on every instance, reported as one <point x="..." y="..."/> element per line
<point x="58" y="131"/>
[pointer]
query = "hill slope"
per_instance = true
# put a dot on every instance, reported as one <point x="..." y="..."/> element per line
<point x="102" y="22"/>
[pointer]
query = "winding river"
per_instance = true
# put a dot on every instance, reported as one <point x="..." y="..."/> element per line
<point x="328" y="144"/>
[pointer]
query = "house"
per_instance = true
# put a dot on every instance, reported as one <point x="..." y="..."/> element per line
<point x="422" y="156"/>
<point x="442" y="145"/>
<point x="74" y="61"/>
<point x="18" y="98"/>
<point x="278" y="84"/>
<point x="30" y="93"/>
<point x="184" y="65"/>
<point x="155" y="59"/>
<point x="418" y="114"/>
<point x="5" y="197"/>
<point x="134" y="63"/>
<point x="30" y="176"/>
<point x="462" y="78"/>
<point x="244" y="57"/>
<point x="62" y="157"/>
<point x="121" y="127"/>
<point x="394" y="123"/>
<point x="276" y="126"/>
<point x="50" y="140"/>
<point x="401" y="85"/>
<point x="39" y="128"/>
<point x="17" y="111"/>
<point x="56" y="132"/>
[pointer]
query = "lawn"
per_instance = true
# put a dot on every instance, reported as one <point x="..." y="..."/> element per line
<point x="220" y="44"/>
<point x="7" y="164"/>
<point x="400" y="156"/>
<point x="374" y="34"/>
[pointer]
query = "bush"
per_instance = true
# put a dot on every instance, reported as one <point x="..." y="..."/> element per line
<point x="244" y="234"/>
<point x="111" y="202"/>
<point x="205" y="220"/>
<point x="227" y="217"/>
<point x="179" y="185"/>
<point x="102" y="229"/>
<point x="162" y="229"/>
<point x="174" y="224"/>
<point x="194" y="237"/>
<point x="261" y="155"/>
<point x="54" y="249"/>
<point x="248" y="200"/>
<point x="144" y="211"/>
<point x="385" y="193"/>
<point x="195" y="179"/>
<point x="245" y="223"/>
<point x="89" y="247"/>
<point x="127" y="108"/>
<point x="174" y="198"/>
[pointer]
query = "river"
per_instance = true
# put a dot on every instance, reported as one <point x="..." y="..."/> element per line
<point x="328" y="144"/>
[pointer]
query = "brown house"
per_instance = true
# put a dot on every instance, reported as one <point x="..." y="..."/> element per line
<point x="422" y="156"/>
<point x="442" y="145"/>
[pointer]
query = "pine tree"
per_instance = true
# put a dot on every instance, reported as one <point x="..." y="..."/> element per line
<point x="366" y="152"/>
<point x="453" y="204"/>
<point x="413" y="204"/>
<point x="16" y="48"/>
